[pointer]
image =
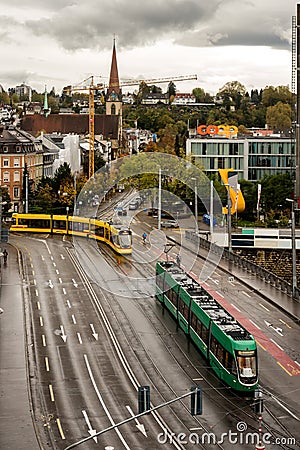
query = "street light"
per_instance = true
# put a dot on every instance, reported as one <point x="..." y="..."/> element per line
<point x="1" y="203"/>
<point x="159" y="198"/>
<point x="294" y="256"/>
<point x="229" y="217"/>
<point x="196" y="205"/>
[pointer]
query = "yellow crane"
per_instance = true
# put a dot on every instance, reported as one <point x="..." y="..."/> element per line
<point x="95" y="87"/>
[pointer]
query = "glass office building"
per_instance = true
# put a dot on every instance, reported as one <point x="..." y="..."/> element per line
<point x="252" y="157"/>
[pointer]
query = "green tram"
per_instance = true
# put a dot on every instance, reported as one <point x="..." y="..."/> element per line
<point x="230" y="348"/>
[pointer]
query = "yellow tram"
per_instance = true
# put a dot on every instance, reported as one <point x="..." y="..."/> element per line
<point x="118" y="237"/>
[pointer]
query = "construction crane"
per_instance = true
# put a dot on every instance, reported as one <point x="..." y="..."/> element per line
<point x="90" y="88"/>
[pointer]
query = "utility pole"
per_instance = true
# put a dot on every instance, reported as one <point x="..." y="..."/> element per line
<point x="294" y="253"/>
<point x="159" y="198"/>
<point x="196" y="205"/>
<point x="229" y="217"/>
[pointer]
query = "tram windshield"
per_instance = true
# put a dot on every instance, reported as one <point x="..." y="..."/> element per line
<point x="125" y="240"/>
<point x="246" y="361"/>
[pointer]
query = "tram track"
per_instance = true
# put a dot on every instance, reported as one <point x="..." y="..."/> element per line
<point x="235" y="411"/>
<point x="122" y="358"/>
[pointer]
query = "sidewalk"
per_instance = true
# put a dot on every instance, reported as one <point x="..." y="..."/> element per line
<point x="16" y="425"/>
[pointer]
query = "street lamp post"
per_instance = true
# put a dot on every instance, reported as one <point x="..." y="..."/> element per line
<point x="229" y="217"/>
<point x="294" y="255"/>
<point x="196" y="206"/>
<point x="159" y="199"/>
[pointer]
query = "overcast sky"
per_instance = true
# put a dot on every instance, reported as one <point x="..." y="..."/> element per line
<point x="61" y="42"/>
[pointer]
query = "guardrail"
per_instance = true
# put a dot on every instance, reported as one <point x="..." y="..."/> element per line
<point x="242" y="262"/>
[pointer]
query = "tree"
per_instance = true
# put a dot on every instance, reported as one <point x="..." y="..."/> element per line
<point x="171" y="90"/>
<point x="275" y="189"/>
<point x="272" y="95"/>
<point x="278" y="117"/>
<point x="45" y="199"/>
<point x="62" y="174"/>
<point x="6" y="201"/>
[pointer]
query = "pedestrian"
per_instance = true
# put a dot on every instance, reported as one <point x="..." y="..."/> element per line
<point x="5" y="255"/>
<point x="178" y="260"/>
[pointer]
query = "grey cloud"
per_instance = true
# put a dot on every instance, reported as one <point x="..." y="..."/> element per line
<point x="136" y="23"/>
<point x="91" y="24"/>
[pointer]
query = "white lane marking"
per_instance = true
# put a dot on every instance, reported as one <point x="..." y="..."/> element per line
<point x="60" y="280"/>
<point x="79" y="338"/>
<point x="102" y="401"/>
<point x="51" y="392"/>
<point x="245" y="293"/>
<point x="74" y="282"/>
<point x="41" y="321"/>
<point x="69" y="304"/>
<point x="91" y="430"/>
<point x="264" y="307"/>
<point x="236" y="307"/>
<point x="63" y="335"/>
<point x="47" y="364"/>
<point x="44" y="340"/>
<point x="73" y="319"/>
<point x="36" y="293"/>
<point x="64" y="291"/>
<point x="34" y="282"/>
<point x="254" y="324"/>
<point x="139" y="425"/>
<point x="94" y="332"/>
<point x="274" y="342"/>
<point x="219" y="294"/>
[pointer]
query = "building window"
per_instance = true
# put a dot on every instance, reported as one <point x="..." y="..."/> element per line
<point x="5" y="149"/>
<point x="6" y="177"/>
<point x="16" y="176"/>
<point x="6" y="163"/>
<point x="16" y="192"/>
<point x="16" y="162"/>
<point x="18" y="148"/>
<point x="113" y="109"/>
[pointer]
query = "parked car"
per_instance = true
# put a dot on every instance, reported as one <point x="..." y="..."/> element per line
<point x="170" y="224"/>
<point x="133" y="205"/>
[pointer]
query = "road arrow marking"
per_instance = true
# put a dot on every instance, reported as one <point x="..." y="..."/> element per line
<point x="93" y="332"/>
<point x="90" y="429"/>
<point x="139" y="425"/>
<point x="50" y="284"/>
<point x="63" y="335"/>
<point x="277" y="329"/>
<point x="74" y="282"/>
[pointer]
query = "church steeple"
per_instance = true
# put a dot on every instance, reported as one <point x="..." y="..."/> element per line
<point x="46" y="109"/>
<point x="114" y="84"/>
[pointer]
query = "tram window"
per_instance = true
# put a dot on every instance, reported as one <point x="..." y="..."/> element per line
<point x="99" y="231"/>
<point x="35" y="223"/>
<point x="78" y="226"/>
<point x="246" y="364"/>
<point x="173" y="297"/>
<point x="125" y="240"/>
<point x="194" y="322"/>
<point x="204" y="334"/>
<point x="214" y="345"/>
<point x="59" y="224"/>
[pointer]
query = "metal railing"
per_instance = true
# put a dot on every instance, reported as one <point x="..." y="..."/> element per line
<point x="247" y="265"/>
